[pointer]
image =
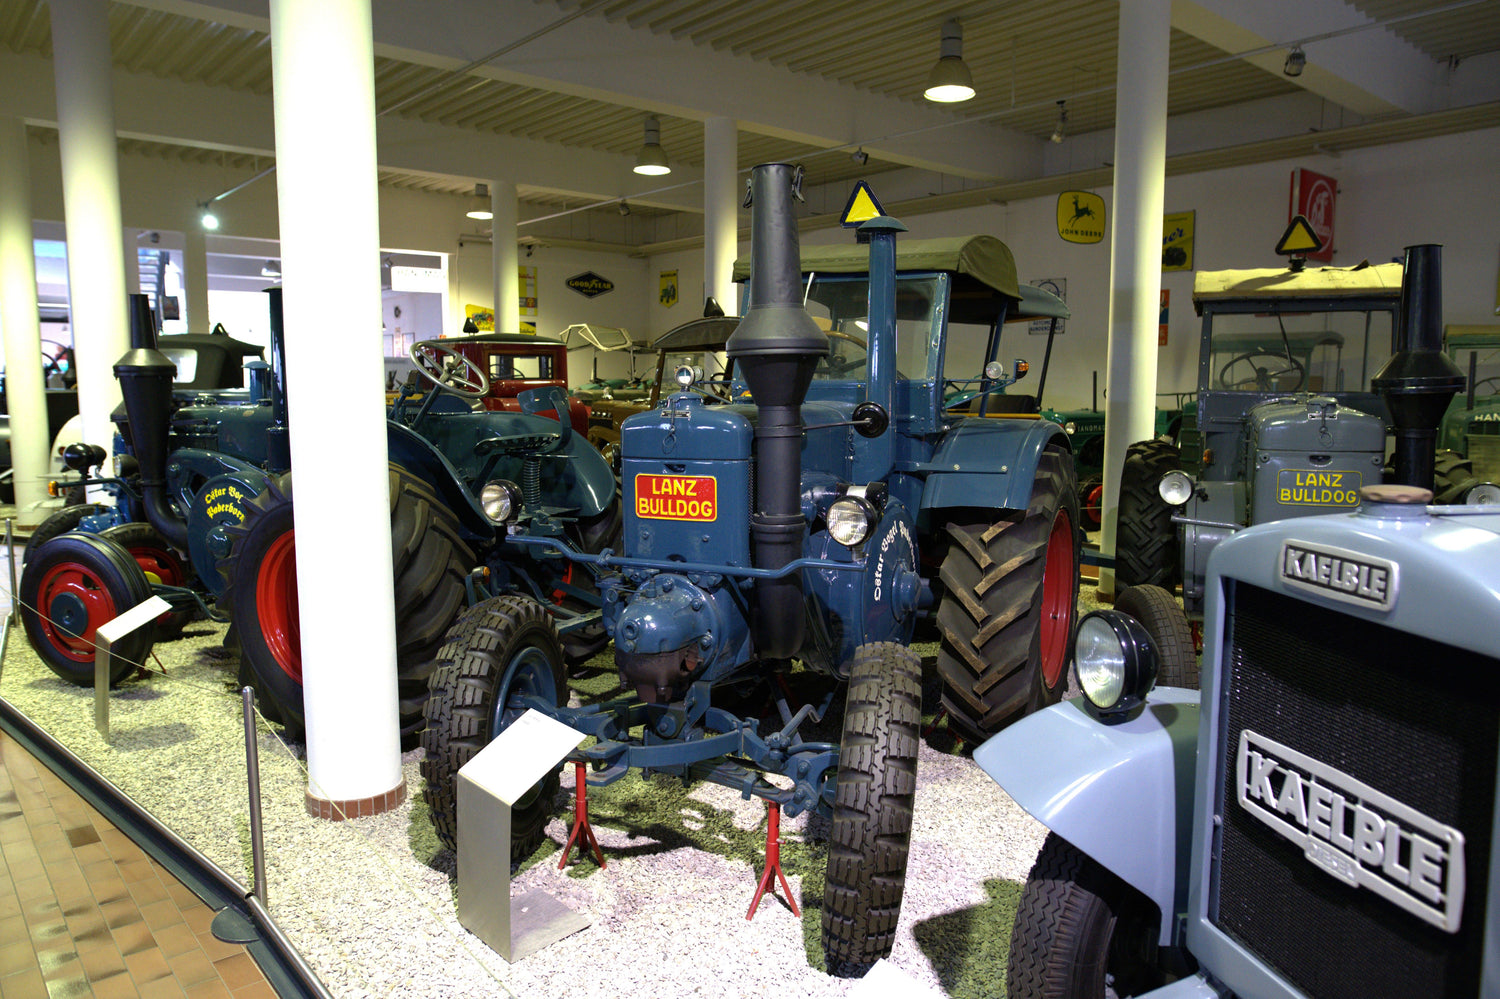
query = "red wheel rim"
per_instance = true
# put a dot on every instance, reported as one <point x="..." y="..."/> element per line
<point x="73" y="580"/>
<point x="276" y="605"/>
<point x="161" y="565"/>
<point x="1093" y="503"/>
<point x="1057" y="599"/>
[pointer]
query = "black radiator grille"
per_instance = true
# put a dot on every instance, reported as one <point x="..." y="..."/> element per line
<point x="1410" y="717"/>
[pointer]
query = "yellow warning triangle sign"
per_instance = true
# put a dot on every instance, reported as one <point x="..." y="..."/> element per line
<point x="1299" y="238"/>
<point x="862" y="207"/>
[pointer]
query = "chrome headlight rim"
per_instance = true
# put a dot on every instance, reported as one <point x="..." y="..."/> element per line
<point x="501" y="501"/>
<point x="1116" y="662"/>
<point x="850" y="520"/>
<point x="1175" y="488"/>
<point x="1482" y="494"/>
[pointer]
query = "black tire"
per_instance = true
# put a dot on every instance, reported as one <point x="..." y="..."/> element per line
<point x="1078" y="929"/>
<point x="500" y="649"/>
<point x="1452" y="476"/>
<point x="73" y="584"/>
<point x="157" y="558"/>
<point x="1146" y="549"/>
<point x="872" y="813"/>
<point x="1162" y="617"/>
<point x="61" y="522"/>
<point x="1009" y="604"/>
<point x="430" y="563"/>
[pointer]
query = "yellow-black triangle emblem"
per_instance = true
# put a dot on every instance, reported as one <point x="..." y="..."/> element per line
<point x="862" y="207"/>
<point x="1298" y="239"/>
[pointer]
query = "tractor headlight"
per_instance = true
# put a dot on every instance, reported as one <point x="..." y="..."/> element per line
<point x="684" y="375"/>
<point x="1117" y="663"/>
<point x="1070" y="427"/>
<point x="501" y="500"/>
<point x="1483" y="494"/>
<point x="1175" y="487"/>
<point x="849" y="520"/>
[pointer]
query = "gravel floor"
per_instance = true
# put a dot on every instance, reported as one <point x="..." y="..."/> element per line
<point x="370" y="902"/>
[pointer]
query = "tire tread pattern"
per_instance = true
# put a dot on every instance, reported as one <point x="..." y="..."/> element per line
<point x="1146" y="549"/>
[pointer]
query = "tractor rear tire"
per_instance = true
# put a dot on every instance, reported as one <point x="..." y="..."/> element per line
<point x="872" y="814"/>
<point x="1078" y="930"/>
<point x="1010" y="604"/>
<point x="61" y="522"/>
<point x="158" y="559"/>
<point x="1162" y="617"/>
<point x="73" y="584"/>
<point x="1146" y="549"/>
<point x="430" y="563"/>
<point x="499" y="651"/>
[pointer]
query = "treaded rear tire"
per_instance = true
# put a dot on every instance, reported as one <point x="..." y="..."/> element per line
<point x="1074" y="927"/>
<point x="60" y="522"/>
<point x="1162" y="617"/>
<point x="1009" y="604"/>
<point x="1146" y="549"/>
<point x="498" y="647"/>
<point x="872" y="814"/>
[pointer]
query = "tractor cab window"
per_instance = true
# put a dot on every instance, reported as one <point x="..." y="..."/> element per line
<point x="186" y="360"/>
<point x="1298" y="352"/>
<point x="839" y="304"/>
<point x="507" y="367"/>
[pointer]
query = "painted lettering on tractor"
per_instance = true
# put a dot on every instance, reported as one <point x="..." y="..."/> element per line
<point x="1343" y="575"/>
<point x="676" y="497"/>
<point x="1305" y="488"/>
<point x="224" y="500"/>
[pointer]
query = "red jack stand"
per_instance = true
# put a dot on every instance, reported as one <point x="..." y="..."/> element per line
<point x="583" y="833"/>
<point x="773" y="863"/>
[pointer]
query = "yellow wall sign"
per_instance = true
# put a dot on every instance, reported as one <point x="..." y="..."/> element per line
<point x="482" y="316"/>
<point x="1080" y="217"/>
<point x="668" y="294"/>
<point x="1177" y="241"/>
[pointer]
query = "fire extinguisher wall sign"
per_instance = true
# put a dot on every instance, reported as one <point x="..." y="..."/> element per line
<point x="1313" y="197"/>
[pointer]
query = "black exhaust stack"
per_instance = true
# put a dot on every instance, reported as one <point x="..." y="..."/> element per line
<point x="776" y="346"/>
<point x="1419" y="381"/>
<point x="145" y="377"/>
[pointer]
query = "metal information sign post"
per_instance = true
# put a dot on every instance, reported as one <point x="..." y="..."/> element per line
<point x="107" y="634"/>
<point x="488" y="786"/>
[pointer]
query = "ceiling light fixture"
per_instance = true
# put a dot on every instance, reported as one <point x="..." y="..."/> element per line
<point x="479" y="204"/>
<point x="624" y="208"/>
<point x="1295" y="61"/>
<point x="652" y="159"/>
<point x="1060" y="131"/>
<point x="951" y="80"/>
<point x="206" y="217"/>
<point x="859" y="156"/>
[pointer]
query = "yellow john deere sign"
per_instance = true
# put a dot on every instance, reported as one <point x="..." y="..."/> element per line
<point x="1080" y="217"/>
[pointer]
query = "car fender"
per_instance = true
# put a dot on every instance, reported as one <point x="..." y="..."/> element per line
<point x="1121" y="793"/>
<point x="988" y="462"/>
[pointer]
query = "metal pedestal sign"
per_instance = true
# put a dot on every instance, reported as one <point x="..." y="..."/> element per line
<point x="489" y="785"/>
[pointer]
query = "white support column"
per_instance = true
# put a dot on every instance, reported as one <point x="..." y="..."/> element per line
<point x="195" y="276"/>
<point x="722" y="194"/>
<point x="331" y="302"/>
<point x="1135" y="246"/>
<point x="504" y="257"/>
<point x="91" y="202"/>
<point x="24" y="386"/>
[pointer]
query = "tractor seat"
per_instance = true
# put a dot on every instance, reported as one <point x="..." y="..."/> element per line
<point x="519" y="444"/>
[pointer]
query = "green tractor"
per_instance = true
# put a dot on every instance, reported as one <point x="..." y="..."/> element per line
<point x="1471" y="427"/>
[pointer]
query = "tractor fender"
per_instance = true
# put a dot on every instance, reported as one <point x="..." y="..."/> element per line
<point x="1122" y="793"/>
<point x="988" y="463"/>
<point x="418" y="456"/>
<point x="226" y="484"/>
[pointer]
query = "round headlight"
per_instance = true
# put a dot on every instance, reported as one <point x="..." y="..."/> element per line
<point x="1484" y="494"/>
<point x="849" y="520"/>
<point x="1070" y="427"/>
<point x="1117" y="662"/>
<point x="1175" y="487"/>
<point x="500" y="500"/>
<point x="684" y="375"/>
<point x="994" y="371"/>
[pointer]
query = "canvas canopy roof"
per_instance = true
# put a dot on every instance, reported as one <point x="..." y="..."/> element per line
<point x="1382" y="280"/>
<point x="984" y="258"/>
<point x="605" y="338"/>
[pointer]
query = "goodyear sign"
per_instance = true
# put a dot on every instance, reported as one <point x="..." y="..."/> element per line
<point x="590" y="285"/>
<point x="676" y="497"/>
<point x="1080" y="217"/>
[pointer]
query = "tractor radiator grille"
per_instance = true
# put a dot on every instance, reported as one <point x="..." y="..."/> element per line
<point x="1484" y="453"/>
<point x="1410" y="717"/>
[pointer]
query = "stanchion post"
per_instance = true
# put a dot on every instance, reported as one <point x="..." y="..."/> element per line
<point x="10" y="618"/>
<point x="252" y="773"/>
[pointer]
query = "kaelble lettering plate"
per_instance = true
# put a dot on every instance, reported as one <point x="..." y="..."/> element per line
<point x="1346" y="576"/>
<point x="1357" y="834"/>
<point x="676" y="497"/>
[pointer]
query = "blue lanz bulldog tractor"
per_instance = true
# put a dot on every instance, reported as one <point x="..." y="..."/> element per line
<point x="817" y="524"/>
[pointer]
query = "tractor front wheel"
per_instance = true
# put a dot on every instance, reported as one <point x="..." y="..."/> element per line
<point x="1145" y="540"/>
<point x="1009" y="605"/>
<point x="1162" y="617"/>
<point x="499" y="652"/>
<point x="872" y="811"/>
<point x="1079" y="931"/>
<point x="161" y="564"/>
<point x="61" y="522"/>
<point x="73" y="584"/>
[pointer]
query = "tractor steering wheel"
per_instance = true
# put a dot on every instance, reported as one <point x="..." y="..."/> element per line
<point x="1492" y="380"/>
<point x="836" y="364"/>
<point x="1262" y="379"/>
<point x="447" y="368"/>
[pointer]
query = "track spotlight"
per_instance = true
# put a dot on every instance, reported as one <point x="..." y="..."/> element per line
<point x="479" y="204"/>
<point x="1060" y="132"/>
<point x="206" y="216"/>
<point x="1295" y="61"/>
<point x="951" y="80"/>
<point x="652" y="159"/>
<point x="859" y="156"/>
<point x="623" y="208"/>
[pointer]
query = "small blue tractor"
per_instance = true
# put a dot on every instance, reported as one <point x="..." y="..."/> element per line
<point x="212" y="506"/>
<point x="815" y="519"/>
